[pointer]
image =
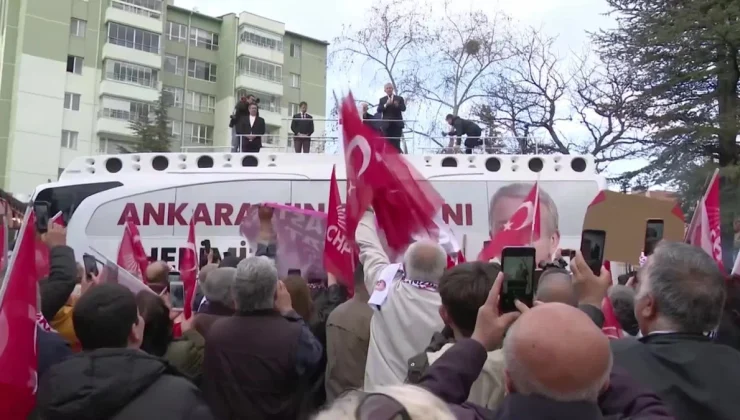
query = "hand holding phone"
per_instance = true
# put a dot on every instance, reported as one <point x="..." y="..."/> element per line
<point x="653" y="235"/>
<point x="91" y="265"/>
<point x="518" y="265"/>
<point x="592" y="248"/>
<point x="177" y="295"/>
<point x="41" y="211"/>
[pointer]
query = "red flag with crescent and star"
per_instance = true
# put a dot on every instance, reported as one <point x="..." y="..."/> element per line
<point x="521" y="230"/>
<point x="131" y="254"/>
<point x="405" y="203"/>
<point x="339" y="249"/>
<point x="189" y="270"/>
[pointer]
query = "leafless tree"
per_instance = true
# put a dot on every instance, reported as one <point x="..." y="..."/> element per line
<point x="606" y="100"/>
<point x="526" y="97"/>
<point x="462" y="51"/>
<point x="387" y="42"/>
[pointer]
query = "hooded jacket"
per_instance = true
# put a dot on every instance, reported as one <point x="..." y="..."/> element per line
<point x="117" y="384"/>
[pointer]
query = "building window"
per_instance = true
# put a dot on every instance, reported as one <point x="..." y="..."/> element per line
<point x="77" y="27"/>
<point x="69" y="139"/>
<point x="251" y="35"/>
<point x="176" y="127"/>
<point x="135" y="38"/>
<point x="72" y="101"/>
<point x="174" y="64"/>
<point x="200" y="102"/>
<point x="204" y="39"/>
<point x="172" y="96"/>
<point x="293" y="109"/>
<point x="295" y="50"/>
<point x="74" y="64"/>
<point x="268" y="102"/>
<point x="124" y="109"/>
<point x="201" y="70"/>
<point x="249" y="66"/>
<point x="148" y="8"/>
<point x="131" y="73"/>
<point x="177" y="32"/>
<point x="295" y="80"/>
<point x="199" y="133"/>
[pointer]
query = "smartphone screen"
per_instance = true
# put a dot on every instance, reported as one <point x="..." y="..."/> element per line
<point x="518" y="266"/>
<point x="206" y="244"/>
<point x="177" y="294"/>
<point x="41" y="210"/>
<point x="653" y="235"/>
<point x="294" y="271"/>
<point x="592" y="248"/>
<point x="91" y="264"/>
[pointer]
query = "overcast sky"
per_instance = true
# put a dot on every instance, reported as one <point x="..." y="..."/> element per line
<point x="568" y="20"/>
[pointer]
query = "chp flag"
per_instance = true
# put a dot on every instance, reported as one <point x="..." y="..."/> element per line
<point x="704" y="230"/>
<point x="405" y="203"/>
<point x="189" y="270"/>
<point x="131" y="254"/>
<point x="339" y="249"/>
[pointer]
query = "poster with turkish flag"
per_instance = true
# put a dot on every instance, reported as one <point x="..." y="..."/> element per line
<point x="189" y="270"/>
<point x="405" y="203"/>
<point x="521" y="230"/>
<point x="339" y="249"/>
<point x="131" y="254"/>
<point x="42" y="250"/>
<point x="704" y="230"/>
<point x="18" y="308"/>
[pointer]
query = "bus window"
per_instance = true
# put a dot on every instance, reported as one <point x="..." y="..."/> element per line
<point x="67" y="198"/>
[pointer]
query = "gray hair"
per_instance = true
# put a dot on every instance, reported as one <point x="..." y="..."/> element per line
<point x="622" y="299"/>
<point x="425" y="260"/>
<point x="255" y="284"/>
<point x="219" y="285"/>
<point x="521" y="190"/>
<point x="688" y="287"/>
<point x="419" y="403"/>
<point x="526" y="383"/>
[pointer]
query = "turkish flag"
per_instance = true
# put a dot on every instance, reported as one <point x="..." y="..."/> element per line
<point x="405" y="203"/>
<point x="189" y="270"/>
<point x="339" y="249"/>
<point x="131" y="254"/>
<point x="522" y="228"/>
<point x="42" y="250"/>
<point x="611" y="327"/>
<point x="704" y="230"/>
<point x="18" y="308"/>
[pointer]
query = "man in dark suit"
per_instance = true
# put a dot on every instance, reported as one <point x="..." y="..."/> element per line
<point x="680" y="296"/>
<point x="392" y="107"/>
<point x="302" y="128"/>
<point x="249" y="129"/>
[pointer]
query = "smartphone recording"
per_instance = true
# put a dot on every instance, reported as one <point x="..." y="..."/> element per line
<point x="518" y="264"/>
<point x="592" y="249"/>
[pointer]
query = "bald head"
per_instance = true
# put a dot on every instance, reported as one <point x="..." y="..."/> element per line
<point x="555" y="286"/>
<point x="556" y="351"/>
<point x="158" y="272"/>
<point x="425" y="260"/>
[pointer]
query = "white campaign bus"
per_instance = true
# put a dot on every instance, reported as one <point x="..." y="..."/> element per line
<point x="161" y="192"/>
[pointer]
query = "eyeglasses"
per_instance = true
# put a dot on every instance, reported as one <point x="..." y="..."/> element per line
<point x="377" y="406"/>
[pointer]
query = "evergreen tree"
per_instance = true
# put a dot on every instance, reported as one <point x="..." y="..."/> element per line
<point x="152" y="132"/>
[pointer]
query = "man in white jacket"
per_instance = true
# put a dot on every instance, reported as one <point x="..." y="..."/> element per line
<point x="405" y="300"/>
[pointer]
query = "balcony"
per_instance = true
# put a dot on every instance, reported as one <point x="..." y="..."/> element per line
<point x="268" y="54"/>
<point x="108" y="124"/>
<point x="148" y="57"/>
<point x="271" y="118"/>
<point x="133" y="15"/>
<point x="254" y="81"/>
<point x="111" y="87"/>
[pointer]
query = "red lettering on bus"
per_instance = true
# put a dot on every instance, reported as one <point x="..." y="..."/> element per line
<point x="224" y="214"/>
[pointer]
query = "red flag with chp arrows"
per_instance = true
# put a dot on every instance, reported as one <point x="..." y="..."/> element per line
<point x="339" y="249"/>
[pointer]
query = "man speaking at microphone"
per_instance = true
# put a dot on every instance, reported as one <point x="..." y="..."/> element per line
<point x="391" y="107"/>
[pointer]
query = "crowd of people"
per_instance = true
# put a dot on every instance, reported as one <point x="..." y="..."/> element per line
<point x="432" y="346"/>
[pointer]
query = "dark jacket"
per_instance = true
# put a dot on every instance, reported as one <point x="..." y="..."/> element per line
<point x="50" y="350"/>
<point x="56" y="288"/>
<point x="257" y="366"/>
<point x="210" y="313"/>
<point x="462" y="127"/>
<point x="394" y="111"/>
<point x="452" y="375"/>
<point x="117" y="384"/>
<point x="696" y="378"/>
<point x="302" y="124"/>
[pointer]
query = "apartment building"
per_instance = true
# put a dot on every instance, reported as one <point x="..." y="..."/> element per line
<point x="76" y="72"/>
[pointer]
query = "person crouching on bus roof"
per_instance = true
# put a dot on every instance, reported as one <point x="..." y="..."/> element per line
<point x="507" y="200"/>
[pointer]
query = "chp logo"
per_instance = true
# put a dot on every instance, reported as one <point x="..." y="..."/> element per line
<point x="342" y="217"/>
